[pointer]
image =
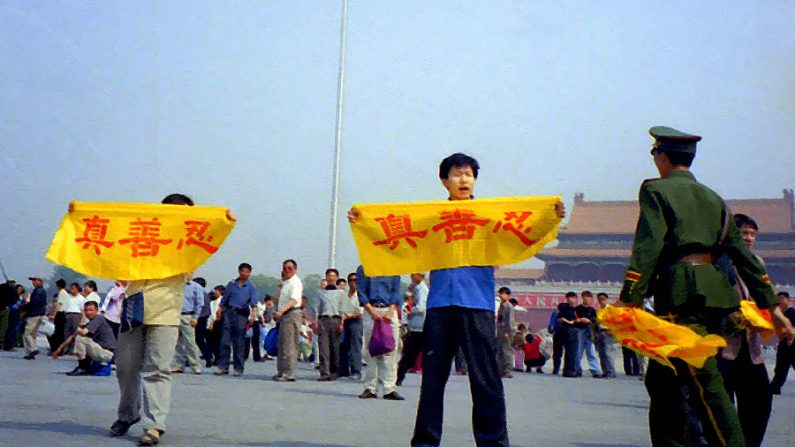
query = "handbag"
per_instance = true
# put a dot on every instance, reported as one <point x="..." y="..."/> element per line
<point x="382" y="341"/>
<point x="271" y="343"/>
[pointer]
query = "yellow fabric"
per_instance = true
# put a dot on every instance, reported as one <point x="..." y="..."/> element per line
<point x="162" y="299"/>
<point x="398" y="238"/>
<point x="135" y="241"/>
<point x="758" y="319"/>
<point x="656" y="338"/>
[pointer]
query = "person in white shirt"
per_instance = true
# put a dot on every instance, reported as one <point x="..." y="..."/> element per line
<point x="415" y="319"/>
<point x="90" y="292"/>
<point x="73" y="311"/>
<point x="288" y="314"/>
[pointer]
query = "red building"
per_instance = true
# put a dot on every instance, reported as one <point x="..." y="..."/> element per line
<point x="594" y="248"/>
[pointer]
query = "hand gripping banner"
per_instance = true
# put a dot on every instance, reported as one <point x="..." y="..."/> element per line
<point x="656" y="338"/>
<point x="399" y="238"/>
<point x="132" y="241"/>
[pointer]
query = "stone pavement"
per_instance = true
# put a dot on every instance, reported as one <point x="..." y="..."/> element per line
<point x="43" y="407"/>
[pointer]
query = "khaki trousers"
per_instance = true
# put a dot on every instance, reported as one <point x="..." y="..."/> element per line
<point x="31" y="332"/>
<point x="381" y="369"/>
<point x="85" y="346"/>
<point x="143" y="361"/>
<point x="289" y="332"/>
<point x="186" y="350"/>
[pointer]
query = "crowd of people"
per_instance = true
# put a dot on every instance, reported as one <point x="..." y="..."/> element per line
<point x="359" y="327"/>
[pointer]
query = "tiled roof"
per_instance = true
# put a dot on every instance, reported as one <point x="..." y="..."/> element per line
<point x="620" y="217"/>
<point x="505" y="273"/>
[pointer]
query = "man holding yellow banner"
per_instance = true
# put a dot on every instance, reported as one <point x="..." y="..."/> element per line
<point x="460" y="240"/>
<point x="155" y="247"/>
<point x="683" y="226"/>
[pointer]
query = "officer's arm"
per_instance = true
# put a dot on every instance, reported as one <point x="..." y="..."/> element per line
<point x="646" y="248"/>
<point x="749" y="267"/>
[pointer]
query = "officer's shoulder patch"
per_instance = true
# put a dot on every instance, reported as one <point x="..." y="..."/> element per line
<point x="632" y="276"/>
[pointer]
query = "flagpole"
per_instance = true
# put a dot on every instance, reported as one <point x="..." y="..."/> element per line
<point x="335" y="187"/>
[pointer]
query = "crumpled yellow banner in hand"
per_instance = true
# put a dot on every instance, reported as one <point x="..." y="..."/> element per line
<point x="759" y="319"/>
<point x="656" y="338"/>
<point x="398" y="238"/>
<point x="133" y="241"/>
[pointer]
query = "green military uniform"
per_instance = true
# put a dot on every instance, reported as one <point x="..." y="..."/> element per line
<point x="683" y="226"/>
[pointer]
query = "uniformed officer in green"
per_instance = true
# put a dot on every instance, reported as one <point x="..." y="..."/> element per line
<point x="683" y="226"/>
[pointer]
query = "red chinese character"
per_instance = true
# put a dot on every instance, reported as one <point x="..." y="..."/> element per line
<point x="459" y="224"/>
<point x="144" y="236"/>
<point x="517" y="226"/>
<point x="397" y="228"/>
<point x="196" y="236"/>
<point x="94" y="234"/>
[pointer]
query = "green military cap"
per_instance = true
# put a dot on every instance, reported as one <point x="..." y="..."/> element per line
<point x="672" y="140"/>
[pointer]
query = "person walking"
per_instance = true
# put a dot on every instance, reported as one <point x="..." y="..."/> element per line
<point x="682" y="225"/>
<point x="238" y="308"/>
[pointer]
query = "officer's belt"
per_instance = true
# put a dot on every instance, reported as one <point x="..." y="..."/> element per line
<point x="697" y="259"/>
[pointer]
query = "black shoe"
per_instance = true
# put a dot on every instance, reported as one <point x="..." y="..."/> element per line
<point x="569" y="374"/>
<point x="119" y="428"/>
<point x="579" y="374"/>
<point x="29" y="357"/>
<point x="79" y="372"/>
<point x="596" y="376"/>
<point x="35" y="353"/>
<point x="208" y="364"/>
<point x="367" y="394"/>
<point x="393" y="396"/>
<point x="399" y="383"/>
<point x="539" y="370"/>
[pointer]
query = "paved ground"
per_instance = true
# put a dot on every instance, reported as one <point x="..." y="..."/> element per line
<point x="43" y="407"/>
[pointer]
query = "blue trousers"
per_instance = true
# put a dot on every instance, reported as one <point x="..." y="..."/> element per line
<point x="585" y="346"/>
<point x="351" y="348"/>
<point x="233" y="338"/>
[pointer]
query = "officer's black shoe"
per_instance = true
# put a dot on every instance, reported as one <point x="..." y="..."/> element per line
<point x="569" y="374"/>
<point x="119" y="428"/>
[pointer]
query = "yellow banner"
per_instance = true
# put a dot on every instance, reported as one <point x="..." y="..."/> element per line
<point x="656" y="338"/>
<point x="134" y="241"/>
<point x="398" y="238"/>
<point x="758" y="319"/>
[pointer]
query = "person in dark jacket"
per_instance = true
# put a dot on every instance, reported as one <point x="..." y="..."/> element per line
<point x="34" y="312"/>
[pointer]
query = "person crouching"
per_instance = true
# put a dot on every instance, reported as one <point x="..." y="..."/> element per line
<point x="95" y="341"/>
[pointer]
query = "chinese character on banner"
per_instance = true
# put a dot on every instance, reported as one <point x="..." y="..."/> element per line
<point x="144" y="237"/>
<point x="514" y="222"/>
<point x="458" y="224"/>
<point x="196" y="236"/>
<point x="397" y="228"/>
<point x="94" y="234"/>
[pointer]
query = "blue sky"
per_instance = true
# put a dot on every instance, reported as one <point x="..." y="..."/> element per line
<point x="234" y="104"/>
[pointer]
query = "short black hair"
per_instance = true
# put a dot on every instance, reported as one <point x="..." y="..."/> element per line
<point x="680" y="158"/>
<point x="200" y="281"/>
<point x="336" y="272"/>
<point x="529" y="338"/>
<point x="177" y="199"/>
<point x="601" y="294"/>
<point x="342" y="280"/>
<point x="267" y="298"/>
<point x="458" y="160"/>
<point x="60" y="283"/>
<point x="91" y="303"/>
<point x="244" y="265"/>
<point x="504" y="290"/>
<point x="744" y="219"/>
<point x="351" y="274"/>
<point x="220" y="288"/>
<point x="92" y="284"/>
<point x="79" y="289"/>
<point x="295" y="264"/>
<point x="521" y="327"/>
<point x="571" y="294"/>
<point x="586" y="293"/>
<point x="784" y="294"/>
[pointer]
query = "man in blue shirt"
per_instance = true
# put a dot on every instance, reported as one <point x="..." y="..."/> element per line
<point x="238" y="307"/>
<point x="34" y="311"/>
<point x="785" y="354"/>
<point x="380" y="298"/>
<point x="187" y="351"/>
